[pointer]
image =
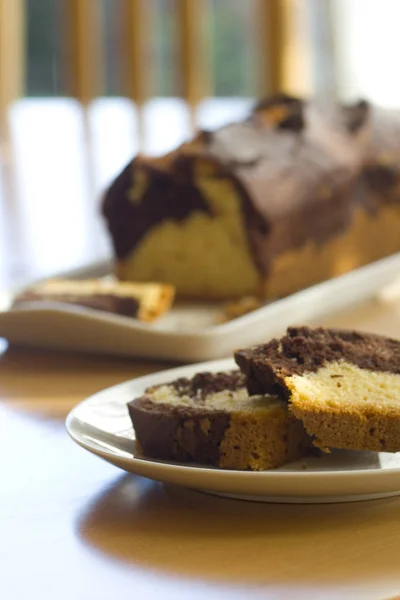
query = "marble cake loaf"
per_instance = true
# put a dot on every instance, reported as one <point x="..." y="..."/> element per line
<point x="293" y="195"/>
<point x="210" y="419"/>
<point x="343" y="385"/>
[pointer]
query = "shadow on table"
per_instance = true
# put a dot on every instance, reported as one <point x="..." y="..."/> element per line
<point x="189" y="533"/>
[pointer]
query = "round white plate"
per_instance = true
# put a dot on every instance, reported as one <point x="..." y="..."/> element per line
<point x="101" y="424"/>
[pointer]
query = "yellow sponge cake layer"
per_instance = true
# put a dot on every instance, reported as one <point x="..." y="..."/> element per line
<point x="344" y="406"/>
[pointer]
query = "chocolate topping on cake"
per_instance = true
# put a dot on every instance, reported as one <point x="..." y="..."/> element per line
<point x="304" y="350"/>
<point x="203" y="384"/>
<point x="381" y="178"/>
<point x="276" y="173"/>
<point x="162" y="198"/>
<point x="356" y="115"/>
<point x="281" y="111"/>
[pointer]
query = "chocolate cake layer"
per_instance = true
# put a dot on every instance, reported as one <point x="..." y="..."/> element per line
<point x="144" y="195"/>
<point x="305" y="349"/>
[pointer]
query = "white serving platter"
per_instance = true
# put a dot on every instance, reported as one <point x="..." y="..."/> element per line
<point x="188" y="333"/>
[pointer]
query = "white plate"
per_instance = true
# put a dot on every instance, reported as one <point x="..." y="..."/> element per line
<point x="189" y="333"/>
<point x="101" y="424"/>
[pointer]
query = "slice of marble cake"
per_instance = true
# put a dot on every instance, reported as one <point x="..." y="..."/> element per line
<point x="343" y="385"/>
<point x="210" y="419"/>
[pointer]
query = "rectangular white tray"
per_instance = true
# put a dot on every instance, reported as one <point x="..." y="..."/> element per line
<point x="187" y="333"/>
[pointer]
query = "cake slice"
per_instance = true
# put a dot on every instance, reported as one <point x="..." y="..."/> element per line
<point x="210" y="419"/>
<point x="343" y="385"/>
<point x="144" y="301"/>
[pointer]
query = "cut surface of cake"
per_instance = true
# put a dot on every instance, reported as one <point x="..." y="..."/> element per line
<point x="144" y="301"/>
<point x="294" y="194"/>
<point x="210" y="419"/>
<point x="343" y="385"/>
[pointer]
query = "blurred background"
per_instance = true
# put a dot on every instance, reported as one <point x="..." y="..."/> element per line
<point x="85" y="84"/>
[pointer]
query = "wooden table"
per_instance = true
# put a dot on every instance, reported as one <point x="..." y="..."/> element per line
<point x="72" y="526"/>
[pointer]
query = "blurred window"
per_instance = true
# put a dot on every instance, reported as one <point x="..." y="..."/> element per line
<point x="353" y="44"/>
<point x="229" y="25"/>
<point x="44" y="47"/>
